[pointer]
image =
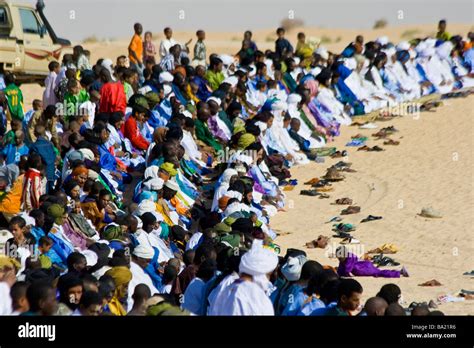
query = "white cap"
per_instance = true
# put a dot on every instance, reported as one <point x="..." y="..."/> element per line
<point x="165" y="76"/>
<point x="144" y="251"/>
<point x="231" y="80"/>
<point x="215" y="99"/>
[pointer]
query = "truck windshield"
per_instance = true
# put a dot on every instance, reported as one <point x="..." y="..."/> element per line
<point x="29" y="22"/>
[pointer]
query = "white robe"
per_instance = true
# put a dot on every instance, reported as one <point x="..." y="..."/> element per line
<point x="216" y="292"/>
<point x="138" y="277"/>
<point x="243" y="298"/>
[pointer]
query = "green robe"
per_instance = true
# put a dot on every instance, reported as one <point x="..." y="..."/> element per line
<point x="204" y="134"/>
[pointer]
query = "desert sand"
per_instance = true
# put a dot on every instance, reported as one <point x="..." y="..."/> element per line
<point x="432" y="166"/>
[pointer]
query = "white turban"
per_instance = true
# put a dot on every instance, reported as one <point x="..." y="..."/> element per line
<point x="258" y="260"/>
<point x="227" y="59"/>
<point x="297" y="60"/>
<point x="187" y="114"/>
<point x="145" y="206"/>
<point x="232" y="80"/>
<point x="144" y="251"/>
<point x="322" y="52"/>
<point x="91" y="257"/>
<point x="88" y="154"/>
<point x="292" y="268"/>
<point x="293" y="98"/>
<point x="28" y="219"/>
<point x="228" y="173"/>
<point x="262" y="125"/>
<point x="390" y="52"/>
<point x="234" y="194"/>
<point x="215" y="99"/>
<point x="153" y="184"/>
<point x="383" y="40"/>
<point x="165" y="76"/>
<point x="107" y="63"/>
<point x="151" y="172"/>
<point x="403" y="46"/>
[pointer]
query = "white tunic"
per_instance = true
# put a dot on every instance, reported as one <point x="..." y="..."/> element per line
<point x="243" y="298"/>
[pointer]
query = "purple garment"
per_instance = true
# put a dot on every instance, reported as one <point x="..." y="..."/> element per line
<point x="216" y="131"/>
<point x="363" y="269"/>
<point x="77" y="240"/>
<point x="322" y="115"/>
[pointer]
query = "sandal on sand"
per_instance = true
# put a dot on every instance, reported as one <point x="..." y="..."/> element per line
<point x="384" y="249"/>
<point x="381" y="260"/>
<point x="324" y="195"/>
<point x="469" y="274"/>
<point x="349" y="170"/>
<point x="321" y="242"/>
<point x="350" y="240"/>
<point x="391" y="142"/>
<point x="288" y="188"/>
<point x="334" y="219"/>
<point x="339" y="154"/>
<point x="364" y="148"/>
<point x="371" y="218"/>
<point x="343" y="227"/>
<point x="430" y="213"/>
<point x="432" y="282"/>
<point x="376" y="148"/>
<point x="343" y="201"/>
<point x="312" y="181"/>
<point x="309" y="193"/>
<point x="342" y="164"/>
<point x="325" y="189"/>
<point x="353" y="209"/>
<point x="380" y="134"/>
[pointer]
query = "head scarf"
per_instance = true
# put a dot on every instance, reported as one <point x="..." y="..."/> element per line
<point x="56" y="211"/>
<point x="154" y="184"/>
<point x="228" y="174"/>
<point x="312" y="85"/>
<point x="80" y="171"/>
<point x="120" y="274"/>
<point x="169" y="168"/>
<point x="151" y="196"/>
<point x="245" y="141"/>
<point x="151" y="172"/>
<point x="223" y="202"/>
<point x="172" y="185"/>
<point x="144" y="207"/>
<point x="112" y="231"/>
<point x="292" y="268"/>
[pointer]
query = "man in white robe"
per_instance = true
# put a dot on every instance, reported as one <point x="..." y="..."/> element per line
<point x="249" y="295"/>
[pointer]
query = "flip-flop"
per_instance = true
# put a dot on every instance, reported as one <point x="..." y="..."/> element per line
<point x="432" y="282"/>
<point x="364" y="148"/>
<point x="391" y="142"/>
<point x="342" y="164"/>
<point x="324" y="195"/>
<point x="469" y="273"/>
<point x="334" y="219"/>
<point x="350" y="240"/>
<point x="353" y="209"/>
<point x="371" y="218"/>
<point x="343" y="201"/>
<point x="312" y="181"/>
<point x="309" y="193"/>
<point x="376" y="148"/>
<point x="341" y="227"/>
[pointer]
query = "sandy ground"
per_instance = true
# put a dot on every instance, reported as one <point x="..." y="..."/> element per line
<point x="432" y="166"/>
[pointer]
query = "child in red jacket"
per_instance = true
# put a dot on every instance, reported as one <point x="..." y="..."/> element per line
<point x="131" y="131"/>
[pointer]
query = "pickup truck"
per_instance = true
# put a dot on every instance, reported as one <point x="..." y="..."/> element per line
<point x="28" y="42"/>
